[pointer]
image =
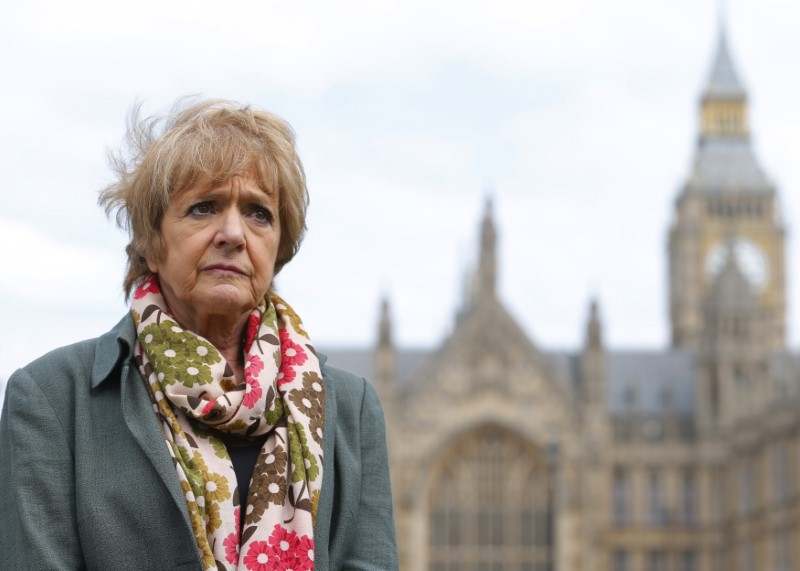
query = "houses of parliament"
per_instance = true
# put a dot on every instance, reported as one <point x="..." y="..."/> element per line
<point x="507" y="457"/>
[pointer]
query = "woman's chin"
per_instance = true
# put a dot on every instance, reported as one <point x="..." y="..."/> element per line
<point x="226" y="299"/>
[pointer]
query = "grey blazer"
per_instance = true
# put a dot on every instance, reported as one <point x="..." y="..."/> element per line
<point x="86" y="481"/>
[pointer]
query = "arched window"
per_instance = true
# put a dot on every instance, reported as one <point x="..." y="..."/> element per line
<point x="745" y="487"/>
<point x="689" y="497"/>
<point x="622" y="496"/>
<point x="491" y="507"/>
<point x="657" y="499"/>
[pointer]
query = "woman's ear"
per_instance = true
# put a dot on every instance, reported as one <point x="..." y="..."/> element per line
<point x="151" y="253"/>
<point x="152" y="265"/>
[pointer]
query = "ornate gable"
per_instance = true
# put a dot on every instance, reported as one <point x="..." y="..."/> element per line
<point x="488" y="370"/>
<point x="489" y="352"/>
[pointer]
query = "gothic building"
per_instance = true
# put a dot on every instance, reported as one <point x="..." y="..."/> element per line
<point x="506" y="457"/>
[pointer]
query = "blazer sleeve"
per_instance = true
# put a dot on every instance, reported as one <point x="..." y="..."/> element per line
<point x="38" y="528"/>
<point x="375" y="544"/>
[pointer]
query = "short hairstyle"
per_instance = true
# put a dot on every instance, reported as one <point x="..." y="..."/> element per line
<point x="196" y="142"/>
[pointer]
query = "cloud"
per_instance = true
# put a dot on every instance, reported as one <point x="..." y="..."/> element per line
<point x="54" y="290"/>
<point x="50" y="272"/>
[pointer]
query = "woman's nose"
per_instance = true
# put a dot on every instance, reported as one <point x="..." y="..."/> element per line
<point x="230" y="233"/>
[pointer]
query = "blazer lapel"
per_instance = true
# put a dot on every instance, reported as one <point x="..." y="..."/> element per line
<point x="114" y="352"/>
<point x="322" y="529"/>
<point x="141" y="421"/>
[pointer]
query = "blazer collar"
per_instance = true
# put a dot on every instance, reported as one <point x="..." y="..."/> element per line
<point x="113" y="348"/>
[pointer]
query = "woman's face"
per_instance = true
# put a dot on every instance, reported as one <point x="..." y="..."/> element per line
<point x="219" y="249"/>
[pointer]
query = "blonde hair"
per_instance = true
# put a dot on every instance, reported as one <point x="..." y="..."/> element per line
<point x="198" y="142"/>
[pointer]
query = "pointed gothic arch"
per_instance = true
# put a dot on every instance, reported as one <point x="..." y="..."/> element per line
<point x="490" y="505"/>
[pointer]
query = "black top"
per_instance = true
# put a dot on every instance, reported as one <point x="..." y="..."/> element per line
<point x="244" y="460"/>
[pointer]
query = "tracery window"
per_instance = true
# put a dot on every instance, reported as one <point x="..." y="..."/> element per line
<point x="657" y="561"/>
<point x="689" y="497"/>
<point x="490" y="506"/>
<point x="780" y="473"/>
<point x="657" y="499"/>
<point x="747" y="559"/>
<point x="689" y="560"/>
<point x="717" y="491"/>
<point x="783" y="552"/>
<point x="620" y="561"/>
<point x="720" y="557"/>
<point x="745" y="476"/>
<point x="622" y="494"/>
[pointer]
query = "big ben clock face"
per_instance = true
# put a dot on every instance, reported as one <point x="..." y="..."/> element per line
<point x="749" y="257"/>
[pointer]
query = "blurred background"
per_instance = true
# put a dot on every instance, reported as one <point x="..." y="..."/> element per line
<point x="526" y="153"/>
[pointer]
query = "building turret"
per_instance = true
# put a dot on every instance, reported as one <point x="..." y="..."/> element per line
<point x="593" y="359"/>
<point x="385" y="352"/>
<point x="593" y="373"/>
<point x="734" y="349"/>
<point x="485" y="280"/>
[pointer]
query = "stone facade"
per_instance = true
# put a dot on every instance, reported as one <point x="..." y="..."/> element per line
<point x="505" y="457"/>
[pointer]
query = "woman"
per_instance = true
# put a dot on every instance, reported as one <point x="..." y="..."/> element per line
<point x="202" y="431"/>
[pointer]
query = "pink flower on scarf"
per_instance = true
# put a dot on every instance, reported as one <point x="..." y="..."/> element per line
<point x="305" y="553"/>
<point x="292" y="353"/>
<point x="252" y="368"/>
<point x="150" y="285"/>
<point x="284" y="544"/>
<point x="286" y="375"/>
<point x="231" y="544"/>
<point x="260" y="557"/>
<point x="252" y="329"/>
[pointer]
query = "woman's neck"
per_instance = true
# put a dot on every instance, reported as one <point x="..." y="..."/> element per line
<point x="233" y="355"/>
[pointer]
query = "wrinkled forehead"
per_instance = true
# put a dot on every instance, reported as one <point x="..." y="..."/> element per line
<point x="206" y="175"/>
<point x="241" y="185"/>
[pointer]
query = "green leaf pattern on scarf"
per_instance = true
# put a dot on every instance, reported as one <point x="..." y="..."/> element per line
<point x="181" y="358"/>
<point x="303" y="465"/>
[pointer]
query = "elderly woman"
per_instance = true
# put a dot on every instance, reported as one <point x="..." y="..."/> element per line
<point x="203" y="431"/>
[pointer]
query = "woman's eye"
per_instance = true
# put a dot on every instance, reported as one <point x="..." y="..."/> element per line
<point x="262" y="215"/>
<point x="200" y="209"/>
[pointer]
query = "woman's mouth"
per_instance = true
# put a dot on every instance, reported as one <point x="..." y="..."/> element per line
<point x="224" y="269"/>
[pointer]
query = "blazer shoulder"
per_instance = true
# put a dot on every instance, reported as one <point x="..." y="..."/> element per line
<point x="351" y="390"/>
<point x="52" y="370"/>
<point x="355" y="398"/>
<point x="85" y="363"/>
<point x="344" y="380"/>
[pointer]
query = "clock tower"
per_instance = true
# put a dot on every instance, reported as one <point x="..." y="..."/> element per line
<point x="727" y="208"/>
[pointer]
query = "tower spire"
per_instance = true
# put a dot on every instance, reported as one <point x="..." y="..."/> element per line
<point x="724" y="100"/>
<point x="722" y="15"/>
<point x="723" y="81"/>
<point x="594" y="328"/>
<point x="385" y="324"/>
<point x="486" y="277"/>
<point x="385" y="352"/>
<point x="593" y="366"/>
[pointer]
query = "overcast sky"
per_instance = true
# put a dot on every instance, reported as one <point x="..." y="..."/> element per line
<point x="579" y="117"/>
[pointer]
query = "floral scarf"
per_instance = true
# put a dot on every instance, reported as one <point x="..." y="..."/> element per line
<point x="196" y="397"/>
